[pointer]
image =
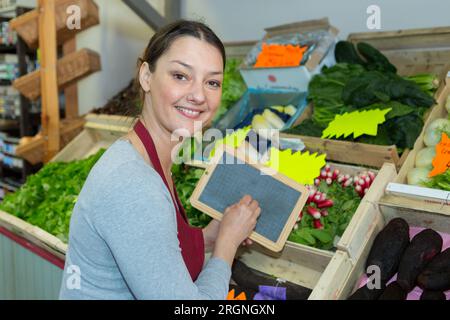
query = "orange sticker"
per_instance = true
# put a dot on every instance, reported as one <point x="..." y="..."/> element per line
<point x="239" y="297"/>
<point x="441" y="162"/>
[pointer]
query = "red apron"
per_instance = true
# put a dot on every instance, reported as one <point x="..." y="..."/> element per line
<point x="191" y="239"/>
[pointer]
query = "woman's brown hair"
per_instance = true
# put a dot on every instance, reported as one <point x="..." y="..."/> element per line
<point x="164" y="37"/>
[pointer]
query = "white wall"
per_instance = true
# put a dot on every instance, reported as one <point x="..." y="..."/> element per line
<point x="120" y="39"/>
<point x="236" y="20"/>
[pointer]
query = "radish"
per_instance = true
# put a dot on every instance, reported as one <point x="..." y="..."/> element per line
<point x="329" y="181"/>
<point x="335" y="174"/>
<point x="324" y="213"/>
<point x="313" y="212"/>
<point x="327" y="168"/>
<point x="318" y="224"/>
<point x="325" y="204"/>
<point x="323" y="174"/>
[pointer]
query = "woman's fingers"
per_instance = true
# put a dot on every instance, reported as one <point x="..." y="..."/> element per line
<point x="246" y="200"/>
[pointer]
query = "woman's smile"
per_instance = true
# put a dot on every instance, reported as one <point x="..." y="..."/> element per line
<point x="189" y="112"/>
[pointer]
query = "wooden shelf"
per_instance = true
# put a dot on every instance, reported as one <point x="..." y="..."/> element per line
<point x="71" y="68"/>
<point x="26" y="25"/>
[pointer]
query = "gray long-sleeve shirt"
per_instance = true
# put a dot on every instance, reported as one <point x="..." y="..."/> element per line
<point x="123" y="240"/>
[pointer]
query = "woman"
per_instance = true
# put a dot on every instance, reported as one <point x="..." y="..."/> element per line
<point x="129" y="236"/>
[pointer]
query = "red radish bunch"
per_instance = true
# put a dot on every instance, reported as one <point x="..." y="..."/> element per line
<point x="363" y="181"/>
<point x="316" y="206"/>
<point x="328" y="175"/>
<point x="317" y="203"/>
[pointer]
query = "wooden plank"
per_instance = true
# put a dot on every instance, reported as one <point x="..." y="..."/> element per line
<point x="26" y="25"/>
<point x="333" y="278"/>
<point x="350" y="152"/>
<point x="71" y="92"/>
<point x="49" y="87"/>
<point x="70" y="69"/>
<point x="34" y="234"/>
<point x="405" y="39"/>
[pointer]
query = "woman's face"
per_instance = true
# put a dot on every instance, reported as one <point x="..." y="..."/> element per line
<point x="186" y="85"/>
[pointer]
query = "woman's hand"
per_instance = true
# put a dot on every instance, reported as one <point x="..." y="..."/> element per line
<point x="238" y="222"/>
<point x="210" y="233"/>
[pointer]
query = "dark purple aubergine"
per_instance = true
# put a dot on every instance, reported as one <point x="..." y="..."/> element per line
<point x="436" y="275"/>
<point x="388" y="248"/>
<point x="423" y="248"/>
<point x="364" y="293"/>
<point x="432" y="295"/>
<point x="393" y="292"/>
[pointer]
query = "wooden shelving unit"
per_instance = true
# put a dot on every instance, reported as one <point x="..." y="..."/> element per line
<point x="25" y="123"/>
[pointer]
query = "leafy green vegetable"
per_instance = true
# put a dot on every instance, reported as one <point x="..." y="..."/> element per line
<point x="375" y="59"/>
<point x="233" y="87"/>
<point x="440" y="181"/>
<point x="186" y="178"/>
<point x="369" y="57"/>
<point x="325" y="91"/>
<point x="373" y="86"/>
<point x="346" y="201"/>
<point x="47" y="198"/>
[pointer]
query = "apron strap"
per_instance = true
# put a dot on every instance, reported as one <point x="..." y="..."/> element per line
<point x="149" y="145"/>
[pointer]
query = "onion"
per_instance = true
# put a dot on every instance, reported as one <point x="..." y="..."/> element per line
<point x="431" y="138"/>
<point x="418" y="175"/>
<point x="425" y="157"/>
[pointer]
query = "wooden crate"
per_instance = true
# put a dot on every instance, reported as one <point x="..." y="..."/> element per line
<point x="348" y="283"/>
<point x="351" y="152"/>
<point x="306" y="268"/>
<point x="413" y="201"/>
<point x="71" y="68"/>
<point x="412" y="51"/>
<point x="34" y="150"/>
<point x="356" y="231"/>
<point x="27" y="25"/>
<point x="112" y="122"/>
<point x="94" y="137"/>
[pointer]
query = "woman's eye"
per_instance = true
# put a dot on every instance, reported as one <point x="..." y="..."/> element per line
<point x="179" y="76"/>
<point x="214" y="84"/>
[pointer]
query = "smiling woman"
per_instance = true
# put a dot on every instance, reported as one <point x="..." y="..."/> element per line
<point x="129" y="235"/>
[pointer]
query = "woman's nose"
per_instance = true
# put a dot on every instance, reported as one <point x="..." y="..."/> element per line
<point x="197" y="95"/>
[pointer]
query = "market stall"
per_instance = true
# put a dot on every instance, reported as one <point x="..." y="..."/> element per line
<point x="354" y="190"/>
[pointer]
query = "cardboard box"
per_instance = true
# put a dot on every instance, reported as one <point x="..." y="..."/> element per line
<point x="319" y="35"/>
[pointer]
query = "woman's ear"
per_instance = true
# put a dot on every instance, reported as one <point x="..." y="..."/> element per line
<point x="144" y="77"/>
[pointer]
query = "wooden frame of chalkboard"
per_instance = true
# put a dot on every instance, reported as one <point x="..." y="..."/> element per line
<point x="274" y="245"/>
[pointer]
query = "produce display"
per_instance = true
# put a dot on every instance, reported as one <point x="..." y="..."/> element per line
<point x="273" y="117"/>
<point x="364" y="80"/>
<point x="419" y="175"/>
<point x="331" y="203"/>
<point x="419" y="265"/>
<point x="47" y="198"/>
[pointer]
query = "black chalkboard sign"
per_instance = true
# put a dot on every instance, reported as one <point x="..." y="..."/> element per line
<point x="230" y="177"/>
